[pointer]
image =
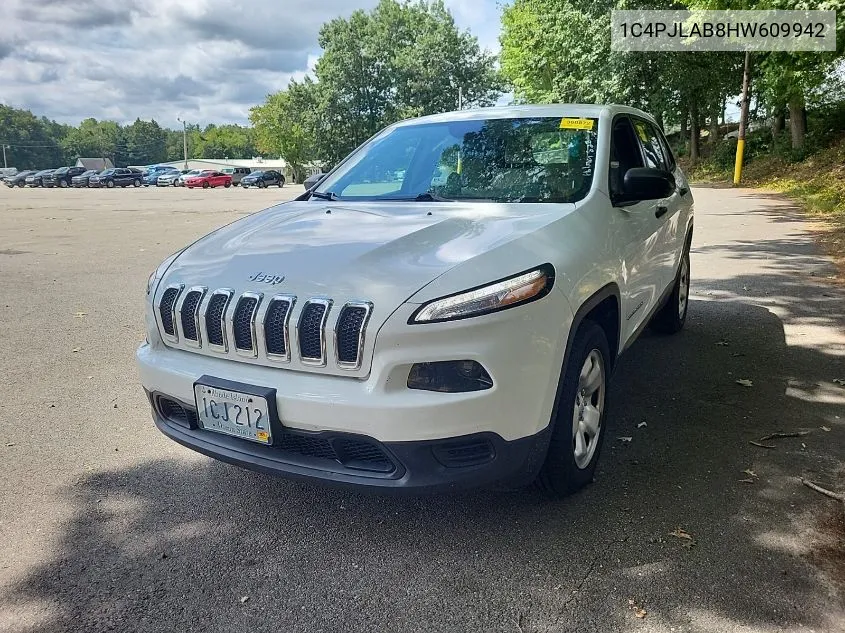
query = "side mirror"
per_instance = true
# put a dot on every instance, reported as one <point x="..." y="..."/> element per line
<point x="647" y="183"/>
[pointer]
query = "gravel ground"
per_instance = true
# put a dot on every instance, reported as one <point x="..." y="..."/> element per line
<point x="105" y="524"/>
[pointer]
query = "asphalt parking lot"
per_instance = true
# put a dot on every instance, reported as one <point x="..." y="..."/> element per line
<point x="105" y="524"/>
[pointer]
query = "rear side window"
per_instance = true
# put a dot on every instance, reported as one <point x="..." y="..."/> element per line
<point x="650" y="142"/>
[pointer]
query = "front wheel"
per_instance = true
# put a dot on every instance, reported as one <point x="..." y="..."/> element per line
<point x="672" y="316"/>
<point x="578" y="420"/>
<point x="262" y="184"/>
<point x="205" y="185"/>
<point x="281" y="183"/>
<point x="227" y="185"/>
<point x="137" y="183"/>
<point x="63" y="184"/>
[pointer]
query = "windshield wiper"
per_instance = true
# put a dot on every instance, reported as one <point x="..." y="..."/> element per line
<point x="327" y="195"/>
<point x="431" y="197"/>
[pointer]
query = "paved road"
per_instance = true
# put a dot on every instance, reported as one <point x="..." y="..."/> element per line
<point x="105" y="524"/>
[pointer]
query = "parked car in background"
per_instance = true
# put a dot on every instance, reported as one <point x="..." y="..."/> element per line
<point x="118" y="177"/>
<point x="180" y="181"/>
<point x="62" y="177"/>
<point x="82" y="179"/>
<point x="313" y="180"/>
<point x="5" y="172"/>
<point x="153" y="173"/>
<point x="209" y="178"/>
<point x="263" y="179"/>
<point x="237" y="173"/>
<point x="169" y="178"/>
<point x="19" y="179"/>
<point x="37" y="179"/>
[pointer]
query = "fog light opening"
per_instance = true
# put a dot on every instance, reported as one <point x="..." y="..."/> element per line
<point x="454" y="376"/>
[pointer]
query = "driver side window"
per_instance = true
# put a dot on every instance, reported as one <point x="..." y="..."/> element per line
<point x="625" y="154"/>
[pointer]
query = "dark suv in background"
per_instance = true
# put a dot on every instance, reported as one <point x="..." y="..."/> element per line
<point x="118" y="177"/>
<point x="62" y="176"/>
<point x="263" y="179"/>
<point x="37" y="179"/>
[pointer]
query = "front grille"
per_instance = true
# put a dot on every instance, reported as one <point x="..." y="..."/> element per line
<point x="276" y="326"/>
<point x="244" y="322"/>
<point x="461" y="453"/>
<point x="305" y="445"/>
<point x="364" y="456"/>
<point x="261" y="328"/>
<point x="312" y="323"/>
<point x="214" y="318"/>
<point x="189" y="313"/>
<point x="168" y="302"/>
<point x="349" y="334"/>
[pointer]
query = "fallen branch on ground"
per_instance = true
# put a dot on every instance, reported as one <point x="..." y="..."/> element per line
<point x="776" y="436"/>
<point x="825" y="492"/>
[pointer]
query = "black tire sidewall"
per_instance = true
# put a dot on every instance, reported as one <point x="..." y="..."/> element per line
<point x="560" y="475"/>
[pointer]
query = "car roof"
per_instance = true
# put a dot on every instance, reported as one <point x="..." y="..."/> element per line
<point x="528" y="111"/>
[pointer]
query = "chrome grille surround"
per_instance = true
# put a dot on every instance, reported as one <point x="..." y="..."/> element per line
<point x="263" y="335"/>
<point x="252" y="350"/>
<point x="173" y="336"/>
<point x="368" y="310"/>
<point x="228" y="293"/>
<point x="314" y="361"/>
<point x="268" y="329"/>
<point x="193" y="316"/>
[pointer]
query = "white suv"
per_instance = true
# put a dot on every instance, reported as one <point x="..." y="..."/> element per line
<point x="444" y="310"/>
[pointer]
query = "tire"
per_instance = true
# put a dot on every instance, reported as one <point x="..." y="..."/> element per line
<point x="568" y="467"/>
<point x="227" y="185"/>
<point x="671" y="317"/>
<point x="281" y="183"/>
<point x="262" y="184"/>
<point x="21" y="185"/>
<point x="137" y="183"/>
<point x="63" y="184"/>
<point x="205" y="185"/>
<point x="110" y="184"/>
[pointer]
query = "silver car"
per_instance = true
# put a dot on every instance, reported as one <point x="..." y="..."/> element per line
<point x="168" y="179"/>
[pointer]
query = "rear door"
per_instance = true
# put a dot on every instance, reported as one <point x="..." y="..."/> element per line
<point x="672" y="231"/>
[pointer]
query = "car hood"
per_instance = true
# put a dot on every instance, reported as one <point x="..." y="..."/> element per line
<point x="381" y="252"/>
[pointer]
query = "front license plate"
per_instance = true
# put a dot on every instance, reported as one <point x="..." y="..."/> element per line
<point x="234" y="413"/>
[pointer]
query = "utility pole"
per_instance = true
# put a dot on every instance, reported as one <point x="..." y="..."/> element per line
<point x="4" y="157"/>
<point x="743" y="118"/>
<point x="460" y="98"/>
<point x="184" y="140"/>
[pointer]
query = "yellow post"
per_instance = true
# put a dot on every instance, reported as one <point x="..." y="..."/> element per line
<point x="743" y="119"/>
<point x="740" y="150"/>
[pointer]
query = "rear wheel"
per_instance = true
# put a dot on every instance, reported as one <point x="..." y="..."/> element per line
<point x="21" y="184"/>
<point x="137" y="183"/>
<point x="578" y="420"/>
<point x="63" y="184"/>
<point x="672" y="316"/>
<point x="281" y="183"/>
<point x="110" y="184"/>
<point x="205" y="185"/>
<point x="227" y="185"/>
<point x="262" y="184"/>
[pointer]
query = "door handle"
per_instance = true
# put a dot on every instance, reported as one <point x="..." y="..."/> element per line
<point x="661" y="211"/>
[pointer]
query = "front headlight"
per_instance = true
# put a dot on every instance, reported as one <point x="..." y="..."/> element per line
<point x="508" y="293"/>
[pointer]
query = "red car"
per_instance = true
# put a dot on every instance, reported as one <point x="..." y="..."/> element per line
<point x="209" y="178"/>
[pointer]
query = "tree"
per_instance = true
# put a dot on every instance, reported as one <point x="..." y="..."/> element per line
<point x="143" y="143"/>
<point x="93" y="139"/>
<point x="286" y="125"/>
<point x="399" y="60"/>
<point x="31" y="142"/>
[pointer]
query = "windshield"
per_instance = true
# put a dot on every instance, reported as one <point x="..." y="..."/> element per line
<point x="503" y="160"/>
<point x="257" y="173"/>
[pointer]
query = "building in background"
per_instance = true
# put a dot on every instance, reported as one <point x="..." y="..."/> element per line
<point x="100" y="164"/>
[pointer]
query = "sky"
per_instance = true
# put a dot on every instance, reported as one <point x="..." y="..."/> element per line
<point x="205" y="61"/>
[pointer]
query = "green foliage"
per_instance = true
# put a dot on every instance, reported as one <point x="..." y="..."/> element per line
<point x="401" y="59"/>
<point x="32" y="142"/>
<point x="286" y="125"/>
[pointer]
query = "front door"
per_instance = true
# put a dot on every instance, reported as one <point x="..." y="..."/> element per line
<point x="637" y="231"/>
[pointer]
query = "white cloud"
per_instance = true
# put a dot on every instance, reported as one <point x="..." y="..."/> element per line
<point x="204" y="60"/>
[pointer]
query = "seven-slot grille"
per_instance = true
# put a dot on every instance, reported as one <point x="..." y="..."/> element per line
<point x="260" y="327"/>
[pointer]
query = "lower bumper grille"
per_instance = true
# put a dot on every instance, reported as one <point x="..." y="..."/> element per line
<point x="362" y="454"/>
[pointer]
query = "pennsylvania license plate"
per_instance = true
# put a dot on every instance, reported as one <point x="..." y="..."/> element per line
<point x="234" y="413"/>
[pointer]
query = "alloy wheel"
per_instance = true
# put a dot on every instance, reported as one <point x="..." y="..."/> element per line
<point x="588" y="409"/>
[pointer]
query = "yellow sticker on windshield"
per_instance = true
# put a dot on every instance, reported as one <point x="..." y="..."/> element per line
<point x="567" y="123"/>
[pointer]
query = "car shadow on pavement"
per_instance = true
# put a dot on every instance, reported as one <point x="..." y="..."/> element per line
<point x="687" y="525"/>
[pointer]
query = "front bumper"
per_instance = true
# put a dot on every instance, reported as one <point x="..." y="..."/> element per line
<point x="471" y="461"/>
